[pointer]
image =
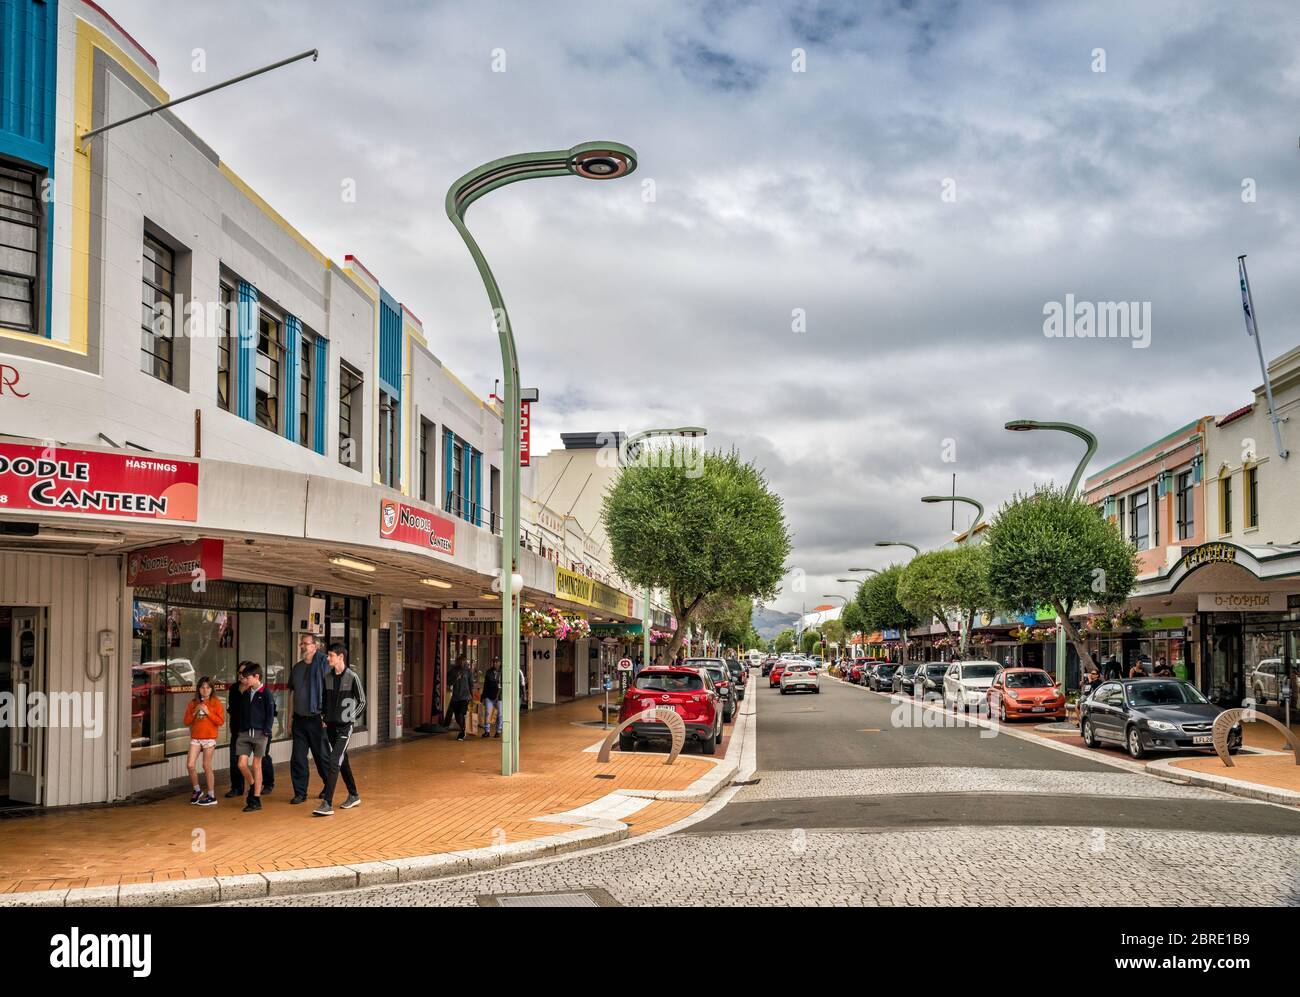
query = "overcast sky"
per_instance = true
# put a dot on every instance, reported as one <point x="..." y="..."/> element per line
<point x="935" y="176"/>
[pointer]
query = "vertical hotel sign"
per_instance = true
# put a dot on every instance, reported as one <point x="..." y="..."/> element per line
<point x="98" y="483"/>
<point x="525" y="433"/>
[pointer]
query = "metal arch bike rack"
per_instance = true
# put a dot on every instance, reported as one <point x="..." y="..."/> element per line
<point x="1226" y="720"/>
<point x="664" y="714"/>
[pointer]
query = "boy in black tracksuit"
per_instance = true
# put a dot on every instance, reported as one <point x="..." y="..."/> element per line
<point x="234" y="722"/>
<point x="253" y="736"/>
<point x="342" y="705"/>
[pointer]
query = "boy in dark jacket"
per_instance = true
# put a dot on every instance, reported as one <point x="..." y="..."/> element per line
<point x="253" y="737"/>
<point x="234" y="721"/>
<point x="342" y="704"/>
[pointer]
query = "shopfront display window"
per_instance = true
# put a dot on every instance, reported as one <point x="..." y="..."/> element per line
<point x="179" y="635"/>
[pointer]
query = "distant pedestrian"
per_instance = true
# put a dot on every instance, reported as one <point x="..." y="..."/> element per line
<point x="1163" y="670"/>
<point x="234" y="724"/>
<point x="204" y="717"/>
<point x="1137" y="671"/>
<point x="253" y="742"/>
<point x="343" y="703"/>
<point x="523" y="688"/>
<point x="306" y="687"/>
<point x="460" y="684"/>
<point x="491" y="696"/>
<point x="1113" y="669"/>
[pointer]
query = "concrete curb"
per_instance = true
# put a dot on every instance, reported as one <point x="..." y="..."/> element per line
<point x="591" y="832"/>
<point x="1237" y="787"/>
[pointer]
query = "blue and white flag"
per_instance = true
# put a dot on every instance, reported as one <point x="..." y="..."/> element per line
<point x="1245" y="296"/>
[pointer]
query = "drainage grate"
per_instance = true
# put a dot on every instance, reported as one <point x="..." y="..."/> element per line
<point x="606" y="775"/>
<point x="590" y="896"/>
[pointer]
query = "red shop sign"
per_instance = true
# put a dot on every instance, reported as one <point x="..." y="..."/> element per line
<point x="399" y="521"/>
<point x="525" y="433"/>
<point x="56" y="479"/>
<point x="175" y="563"/>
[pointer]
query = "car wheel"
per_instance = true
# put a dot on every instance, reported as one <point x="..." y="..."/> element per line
<point x="818" y="690"/>
<point x="1089" y="738"/>
<point x="626" y="742"/>
<point x="1135" y="743"/>
<point x="717" y="738"/>
<point x="783" y="690"/>
<point x="708" y="746"/>
<point x="1002" y="712"/>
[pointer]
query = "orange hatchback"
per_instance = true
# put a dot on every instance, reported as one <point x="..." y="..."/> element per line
<point x="1025" y="692"/>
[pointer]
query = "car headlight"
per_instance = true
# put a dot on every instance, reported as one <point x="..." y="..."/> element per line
<point x="1013" y="694"/>
<point x="1161" y="725"/>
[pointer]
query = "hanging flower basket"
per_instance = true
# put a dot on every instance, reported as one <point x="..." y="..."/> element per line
<point x="553" y="624"/>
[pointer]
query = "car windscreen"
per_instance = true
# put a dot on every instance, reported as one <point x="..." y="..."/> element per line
<point x="670" y="682"/>
<point x="887" y="669"/>
<point x="1163" y="694"/>
<point x="935" y="671"/>
<point x="978" y="671"/>
<point x="1028" y="680"/>
<point x="798" y="668"/>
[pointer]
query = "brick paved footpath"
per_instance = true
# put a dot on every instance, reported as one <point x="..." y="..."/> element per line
<point x="420" y="797"/>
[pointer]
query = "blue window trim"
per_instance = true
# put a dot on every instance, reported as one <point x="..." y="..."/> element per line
<point x="319" y="386"/>
<point x="247" y="338"/>
<point x="448" y="445"/>
<point x="478" y="488"/>
<point x="293" y="335"/>
<point x="466" y="483"/>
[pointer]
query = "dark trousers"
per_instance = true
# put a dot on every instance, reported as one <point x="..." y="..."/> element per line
<point x="458" y="709"/>
<point x="308" y="736"/>
<point x="237" y="777"/>
<point x="336" y="740"/>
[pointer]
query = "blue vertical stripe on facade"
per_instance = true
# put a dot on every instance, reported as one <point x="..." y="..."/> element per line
<point x="246" y="318"/>
<point x="390" y="344"/>
<point x="448" y="444"/>
<point x="319" y="385"/>
<point x="478" y="488"/>
<point x="293" y="335"/>
<point x="28" y="82"/>
<point x="466" y="481"/>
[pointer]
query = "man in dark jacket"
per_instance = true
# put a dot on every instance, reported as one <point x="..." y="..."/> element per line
<point x="343" y="703"/>
<point x="491" y="697"/>
<point x="306" y="685"/>
<point x="234" y="722"/>
<point x="253" y="738"/>
<point x="460" y="690"/>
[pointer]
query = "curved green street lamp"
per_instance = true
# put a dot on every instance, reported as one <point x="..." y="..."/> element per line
<point x="892" y="543"/>
<point x="979" y="508"/>
<point x="591" y="161"/>
<point x="1025" y="425"/>
<point x="1090" y="439"/>
<point x="874" y="571"/>
<point x="625" y="453"/>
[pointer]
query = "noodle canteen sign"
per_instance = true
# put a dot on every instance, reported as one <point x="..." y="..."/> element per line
<point x="92" y="482"/>
<point x="405" y="523"/>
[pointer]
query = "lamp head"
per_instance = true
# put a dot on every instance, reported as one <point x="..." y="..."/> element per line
<point x="935" y="498"/>
<point x="692" y="432"/>
<point x="1021" y="425"/>
<point x="601" y="160"/>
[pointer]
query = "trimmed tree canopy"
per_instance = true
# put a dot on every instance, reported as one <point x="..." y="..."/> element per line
<point x="697" y="525"/>
<point x="877" y="598"/>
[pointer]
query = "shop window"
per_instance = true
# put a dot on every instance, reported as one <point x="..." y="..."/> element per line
<point x="453" y="456"/>
<point x="351" y="398"/>
<point x="226" y="352"/>
<point x="1184" y="509"/>
<point x="270" y="367"/>
<point x="157" y="303"/>
<point x="1225" y="502"/>
<point x="346" y="624"/>
<point x="1251" y="495"/>
<point x="21" y="222"/>
<point x="388" y="457"/>
<point x="428" y="442"/>
<point x="1139" y="531"/>
<point x="1155" y="516"/>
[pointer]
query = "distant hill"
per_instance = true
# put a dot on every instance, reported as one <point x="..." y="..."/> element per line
<point x="770" y="622"/>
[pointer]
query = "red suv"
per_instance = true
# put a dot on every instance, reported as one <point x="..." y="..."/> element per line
<point x="774" y="676"/>
<point x="689" y="691"/>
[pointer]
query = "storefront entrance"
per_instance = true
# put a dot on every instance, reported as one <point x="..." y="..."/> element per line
<point x="22" y="673"/>
<point x="565" y="678"/>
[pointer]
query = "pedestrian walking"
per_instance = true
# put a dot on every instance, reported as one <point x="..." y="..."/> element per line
<point x="235" y="723"/>
<point x="342" y="706"/>
<point x="254" y="741"/>
<point x="306" y="689"/>
<point x="1113" y="669"/>
<point x="203" y="716"/>
<point x="523" y="687"/>
<point x="460" y="684"/>
<point x="491" y="696"/>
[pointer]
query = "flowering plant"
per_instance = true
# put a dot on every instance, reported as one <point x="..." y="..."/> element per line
<point x="553" y="623"/>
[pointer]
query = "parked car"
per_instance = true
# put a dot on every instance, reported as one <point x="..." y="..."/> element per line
<point x="768" y="663"/>
<point x="689" y="691"/>
<point x="739" y="677"/>
<point x="1265" y="680"/>
<point x="1150" y="714"/>
<point x="854" y="674"/>
<point x="800" y="675"/>
<point x="928" y="680"/>
<point x="1025" y="692"/>
<point x="904" y="676"/>
<point x="882" y="676"/>
<point x="966" y="683"/>
<point x="774" y="676"/>
<point x="720" y="675"/>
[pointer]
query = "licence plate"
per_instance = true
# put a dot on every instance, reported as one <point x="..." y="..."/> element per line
<point x="1203" y="739"/>
<point x="1038" y="709"/>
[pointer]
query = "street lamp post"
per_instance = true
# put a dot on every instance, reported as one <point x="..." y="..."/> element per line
<point x="916" y="552"/>
<point x="624" y="451"/>
<point x="592" y="161"/>
<point x="832" y="595"/>
<point x="979" y="508"/>
<point x="1090" y="440"/>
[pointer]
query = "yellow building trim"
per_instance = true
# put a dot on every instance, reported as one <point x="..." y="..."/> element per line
<point x="463" y="387"/>
<point x="272" y="214"/>
<point x="38" y="340"/>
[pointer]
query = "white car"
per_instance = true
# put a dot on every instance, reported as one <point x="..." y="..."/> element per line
<point x="799" y="675"/>
<point x="966" y="684"/>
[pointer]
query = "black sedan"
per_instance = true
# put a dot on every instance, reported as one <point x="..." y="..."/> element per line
<point x="1150" y="714"/>
<point x="904" y="676"/>
<point x="882" y="676"/>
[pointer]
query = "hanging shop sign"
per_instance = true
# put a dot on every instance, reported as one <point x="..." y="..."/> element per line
<point x="93" y="482"/>
<point x="1241" y="602"/>
<point x="407" y="524"/>
<point x="573" y="587"/>
<point x="176" y="563"/>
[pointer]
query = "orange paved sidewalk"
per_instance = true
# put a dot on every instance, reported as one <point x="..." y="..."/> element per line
<point x="420" y="797"/>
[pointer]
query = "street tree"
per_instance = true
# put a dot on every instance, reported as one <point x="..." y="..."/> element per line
<point x="877" y="599"/>
<point x="808" y="643"/>
<point x="1055" y="549"/>
<point x="948" y="584"/>
<point x="784" y="641"/>
<point x="697" y="525"/>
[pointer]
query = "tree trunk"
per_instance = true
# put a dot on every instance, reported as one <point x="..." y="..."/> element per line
<point x="1074" y="637"/>
<point x="683" y="614"/>
<point x="965" y="637"/>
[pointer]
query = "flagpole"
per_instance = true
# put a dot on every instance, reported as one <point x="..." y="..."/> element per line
<point x="1252" y="330"/>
